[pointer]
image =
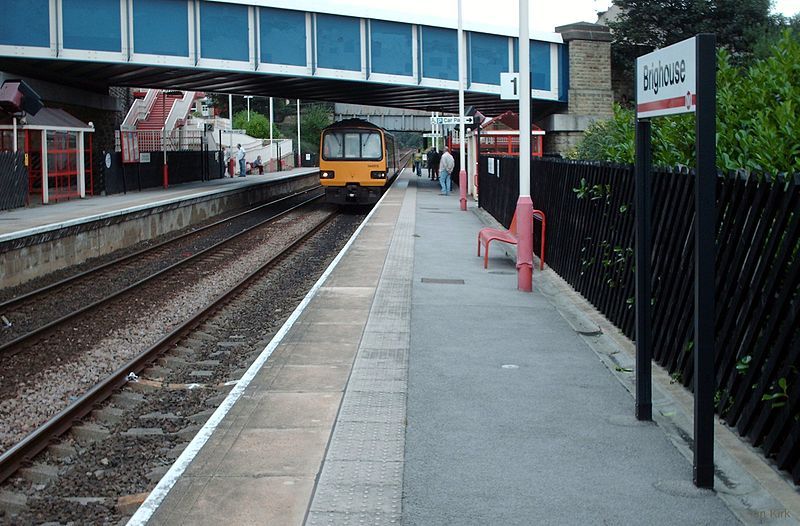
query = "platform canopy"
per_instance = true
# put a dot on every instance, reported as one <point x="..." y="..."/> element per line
<point x="269" y="48"/>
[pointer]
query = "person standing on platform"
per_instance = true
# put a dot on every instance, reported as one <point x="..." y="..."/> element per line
<point x="418" y="162"/>
<point x="446" y="165"/>
<point x="240" y="157"/>
<point x="435" y="169"/>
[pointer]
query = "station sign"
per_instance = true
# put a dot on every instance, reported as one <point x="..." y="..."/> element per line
<point x="450" y="120"/>
<point x="666" y="80"/>
<point x="509" y="86"/>
<point x="431" y="135"/>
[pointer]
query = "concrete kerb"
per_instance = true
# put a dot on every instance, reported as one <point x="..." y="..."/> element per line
<point x="754" y="490"/>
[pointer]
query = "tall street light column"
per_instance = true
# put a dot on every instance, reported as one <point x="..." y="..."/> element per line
<point x="299" y="153"/>
<point x="524" y="203"/>
<point x="164" y="137"/>
<point x="462" y="173"/>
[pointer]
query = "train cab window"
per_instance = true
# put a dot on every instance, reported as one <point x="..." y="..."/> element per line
<point x="333" y="146"/>
<point x="371" y="146"/>
<point x="352" y="146"/>
<point x="338" y="145"/>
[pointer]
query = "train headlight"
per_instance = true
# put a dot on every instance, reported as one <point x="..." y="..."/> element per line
<point x="378" y="175"/>
<point x="327" y="174"/>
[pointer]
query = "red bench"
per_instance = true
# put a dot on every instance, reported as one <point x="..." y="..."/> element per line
<point x="487" y="235"/>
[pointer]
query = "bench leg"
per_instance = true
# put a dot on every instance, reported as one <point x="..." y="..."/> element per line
<point x="479" y="246"/>
<point x="486" y="256"/>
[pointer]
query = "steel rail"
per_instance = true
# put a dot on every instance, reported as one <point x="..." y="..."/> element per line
<point x="34" y="443"/>
<point x="16" y="345"/>
<point x="6" y="305"/>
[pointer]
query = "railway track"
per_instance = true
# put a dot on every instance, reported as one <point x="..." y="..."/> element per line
<point x="167" y="396"/>
<point x="33" y="315"/>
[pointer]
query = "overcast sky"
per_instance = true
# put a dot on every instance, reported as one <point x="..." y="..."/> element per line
<point x="489" y="15"/>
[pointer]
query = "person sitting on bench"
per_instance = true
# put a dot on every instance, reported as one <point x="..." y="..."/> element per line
<point x="258" y="165"/>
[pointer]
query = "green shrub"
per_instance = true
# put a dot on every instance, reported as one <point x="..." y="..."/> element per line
<point x="757" y="129"/>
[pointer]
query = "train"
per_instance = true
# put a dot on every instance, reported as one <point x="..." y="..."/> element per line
<point x="358" y="161"/>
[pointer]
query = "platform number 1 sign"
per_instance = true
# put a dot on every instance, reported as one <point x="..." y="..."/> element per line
<point x="509" y="86"/>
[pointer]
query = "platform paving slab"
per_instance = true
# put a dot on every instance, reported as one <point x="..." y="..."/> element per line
<point x="511" y="417"/>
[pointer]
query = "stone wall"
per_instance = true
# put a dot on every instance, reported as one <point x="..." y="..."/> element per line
<point x="590" y="97"/>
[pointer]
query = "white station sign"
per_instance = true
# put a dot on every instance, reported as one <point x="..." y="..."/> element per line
<point x="450" y="120"/>
<point x="666" y="80"/>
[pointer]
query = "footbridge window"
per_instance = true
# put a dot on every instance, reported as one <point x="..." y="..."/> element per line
<point x="540" y="64"/>
<point x="391" y="48"/>
<point x="338" y="42"/>
<point x="92" y="25"/>
<point x="224" y="31"/>
<point x="439" y="53"/>
<point x="488" y="58"/>
<point x="161" y="27"/>
<point x="283" y="36"/>
<point x="26" y="27"/>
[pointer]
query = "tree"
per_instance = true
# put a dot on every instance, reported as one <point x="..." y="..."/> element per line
<point x="257" y="126"/>
<point x="757" y="128"/>
<point x="313" y="120"/>
<point x="644" y="25"/>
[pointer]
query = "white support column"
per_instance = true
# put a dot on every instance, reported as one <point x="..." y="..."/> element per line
<point x="14" y="139"/>
<point x="299" y="150"/>
<point x="230" y="116"/>
<point x="81" y="167"/>
<point x="270" y="120"/>
<point x="524" y="204"/>
<point x="462" y="174"/>
<point x="45" y="188"/>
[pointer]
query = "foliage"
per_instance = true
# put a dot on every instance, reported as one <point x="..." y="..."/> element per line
<point x="757" y="130"/>
<point x="643" y="25"/>
<point x="313" y="120"/>
<point x="257" y="126"/>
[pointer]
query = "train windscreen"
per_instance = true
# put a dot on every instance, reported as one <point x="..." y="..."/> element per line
<point x="352" y="145"/>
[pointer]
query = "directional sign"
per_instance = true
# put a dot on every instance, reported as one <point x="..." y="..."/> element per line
<point x="509" y="86"/>
<point x="450" y="120"/>
<point x="431" y="135"/>
<point x="666" y="82"/>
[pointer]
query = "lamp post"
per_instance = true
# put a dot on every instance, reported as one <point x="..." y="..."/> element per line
<point x="462" y="173"/>
<point x="299" y="153"/>
<point x="164" y="137"/>
<point x="248" y="97"/>
<point x="524" y="203"/>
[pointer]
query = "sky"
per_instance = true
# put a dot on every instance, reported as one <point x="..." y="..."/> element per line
<point x="498" y="16"/>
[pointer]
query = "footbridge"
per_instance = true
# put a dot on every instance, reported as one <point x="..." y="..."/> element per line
<point x="299" y="49"/>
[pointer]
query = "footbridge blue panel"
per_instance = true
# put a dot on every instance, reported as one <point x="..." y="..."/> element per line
<point x="161" y="27"/>
<point x="25" y="27"/>
<point x="235" y="41"/>
<point x="283" y="37"/>
<point x="92" y="25"/>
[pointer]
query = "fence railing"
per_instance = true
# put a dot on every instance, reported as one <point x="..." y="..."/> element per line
<point x="591" y="220"/>
<point x="178" y="140"/>
<point x="13" y="180"/>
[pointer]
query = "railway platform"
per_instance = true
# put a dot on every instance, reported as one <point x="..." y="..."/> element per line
<point x="38" y="240"/>
<point x="411" y="386"/>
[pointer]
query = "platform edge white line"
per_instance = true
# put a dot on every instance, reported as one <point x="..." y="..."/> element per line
<point x="159" y="493"/>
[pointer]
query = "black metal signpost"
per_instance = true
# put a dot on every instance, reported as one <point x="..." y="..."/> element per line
<point x="679" y="79"/>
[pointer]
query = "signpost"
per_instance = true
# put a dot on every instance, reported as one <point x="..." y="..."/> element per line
<point x="451" y="120"/>
<point x="680" y="78"/>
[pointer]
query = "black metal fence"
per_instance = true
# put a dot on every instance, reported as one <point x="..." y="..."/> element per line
<point x="591" y="219"/>
<point x="13" y="180"/>
<point x="184" y="167"/>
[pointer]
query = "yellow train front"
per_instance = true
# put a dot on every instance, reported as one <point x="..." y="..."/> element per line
<point x="358" y="162"/>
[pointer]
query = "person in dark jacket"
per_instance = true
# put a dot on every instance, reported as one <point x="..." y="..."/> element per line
<point x="433" y="164"/>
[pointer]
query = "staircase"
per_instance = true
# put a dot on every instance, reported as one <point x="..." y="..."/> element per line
<point x="155" y="119"/>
